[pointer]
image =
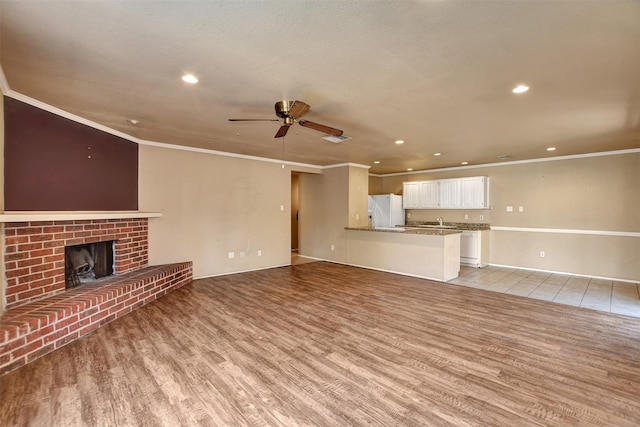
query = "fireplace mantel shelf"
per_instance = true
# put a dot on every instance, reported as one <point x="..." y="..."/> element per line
<point x="24" y="216"/>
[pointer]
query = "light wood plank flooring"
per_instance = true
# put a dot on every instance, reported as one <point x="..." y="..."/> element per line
<point x="597" y="294"/>
<point x="323" y="344"/>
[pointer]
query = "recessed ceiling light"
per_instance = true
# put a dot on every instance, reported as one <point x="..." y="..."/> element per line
<point x="520" y="89"/>
<point x="551" y="149"/>
<point x="377" y="162"/>
<point x="464" y="163"/>
<point x="437" y="154"/>
<point x="399" y="142"/>
<point x="409" y="169"/>
<point x="190" y="78"/>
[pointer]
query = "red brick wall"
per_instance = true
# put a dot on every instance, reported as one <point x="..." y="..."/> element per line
<point x="34" y="252"/>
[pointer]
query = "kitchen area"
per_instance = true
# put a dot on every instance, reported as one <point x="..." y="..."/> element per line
<point x="427" y="249"/>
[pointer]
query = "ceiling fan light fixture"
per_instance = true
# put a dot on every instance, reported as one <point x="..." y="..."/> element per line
<point x="336" y="139"/>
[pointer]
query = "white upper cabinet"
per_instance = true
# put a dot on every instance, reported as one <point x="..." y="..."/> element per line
<point x="429" y="195"/>
<point x="475" y="192"/>
<point x="449" y="193"/>
<point x="455" y="193"/>
<point x="411" y="195"/>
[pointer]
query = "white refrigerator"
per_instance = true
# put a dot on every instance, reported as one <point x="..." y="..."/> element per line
<point x="386" y="210"/>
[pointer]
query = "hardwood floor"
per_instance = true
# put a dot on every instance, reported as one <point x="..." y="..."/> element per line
<point x="323" y="344"/>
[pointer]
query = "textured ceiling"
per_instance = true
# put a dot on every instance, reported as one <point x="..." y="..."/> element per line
<point x="437" y="75"/>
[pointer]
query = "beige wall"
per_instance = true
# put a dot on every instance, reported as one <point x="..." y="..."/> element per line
<point x="598" y="194"/>
<point x="212" y="205"/>
<point x="329" y="203"/>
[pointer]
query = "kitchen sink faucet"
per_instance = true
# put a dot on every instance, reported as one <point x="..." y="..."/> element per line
<point x="439" y="219"/>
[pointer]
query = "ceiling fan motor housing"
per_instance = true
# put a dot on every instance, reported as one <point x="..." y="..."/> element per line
<point x="282" y="108"/>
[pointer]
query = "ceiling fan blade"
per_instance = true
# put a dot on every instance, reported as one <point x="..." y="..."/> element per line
<point x="254" y="120"/>
<point x="298" y="109"/>
<point x="319" y="127"/>
<point x="282" y="131"/>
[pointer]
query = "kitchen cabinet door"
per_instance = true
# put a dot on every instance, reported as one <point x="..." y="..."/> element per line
<point x="449" y="194"/>
<point x="474" y="192"/>
<point x="429" y="194"/>
<point x="411" y="195"/>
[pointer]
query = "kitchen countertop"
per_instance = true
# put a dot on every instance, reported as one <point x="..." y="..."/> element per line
<point x="457" y="225"/>
<point x="408" y="230"/>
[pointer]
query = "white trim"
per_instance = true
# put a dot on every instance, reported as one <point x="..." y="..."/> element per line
<point x="25" y="216"/>
<point x="516" y="162"/>
<point x="221" y="153"/>
<point x="568" y="231"/>
<point x="565" y="273"/>
<point x="242" y="271"/>
<point x="382" y="269"/>
<point x="4" y="84"/>
<point x="339" y="165"/>
<point x="67" y="115"/>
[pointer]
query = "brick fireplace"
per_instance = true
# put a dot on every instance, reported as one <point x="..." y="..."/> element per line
<point x="41" y="315"/>
<point x="34" y="252"/>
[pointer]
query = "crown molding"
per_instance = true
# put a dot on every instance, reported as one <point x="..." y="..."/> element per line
<point x="67" y="115"/>
<point x="515" y="162"/>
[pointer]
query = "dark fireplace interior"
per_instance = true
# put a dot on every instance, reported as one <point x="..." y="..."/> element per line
<point x="87" y="263"/>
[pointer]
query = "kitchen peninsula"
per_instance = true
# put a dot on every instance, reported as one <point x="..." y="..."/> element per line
<point x="420" y="252"/>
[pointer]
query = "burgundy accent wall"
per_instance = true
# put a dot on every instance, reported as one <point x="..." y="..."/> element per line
<point x="52" y="163"/>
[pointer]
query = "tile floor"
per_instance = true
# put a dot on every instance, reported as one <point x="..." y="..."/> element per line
<point x="598" y="294"/>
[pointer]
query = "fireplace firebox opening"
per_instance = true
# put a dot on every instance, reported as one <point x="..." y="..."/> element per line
<point x="88" y="263"/>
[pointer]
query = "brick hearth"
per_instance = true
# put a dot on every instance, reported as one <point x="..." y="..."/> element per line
<point x="41" y="315"/>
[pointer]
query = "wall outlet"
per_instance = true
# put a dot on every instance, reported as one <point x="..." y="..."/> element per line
<point x="333" y="247"/>
<point x="466" y="216"/>
<point x="509" y="208"/>
<point x="357" y="216"/>
<point x="282" y="207"/>
<point x="481" y="217"/>
<point x="409" y="215"/>
<point x="542" y="254"/>
<point x="259" y="252"/>
<point x="242" y="254"/>
<point x="520" y="209"/>
<point x="232" y="255"/>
